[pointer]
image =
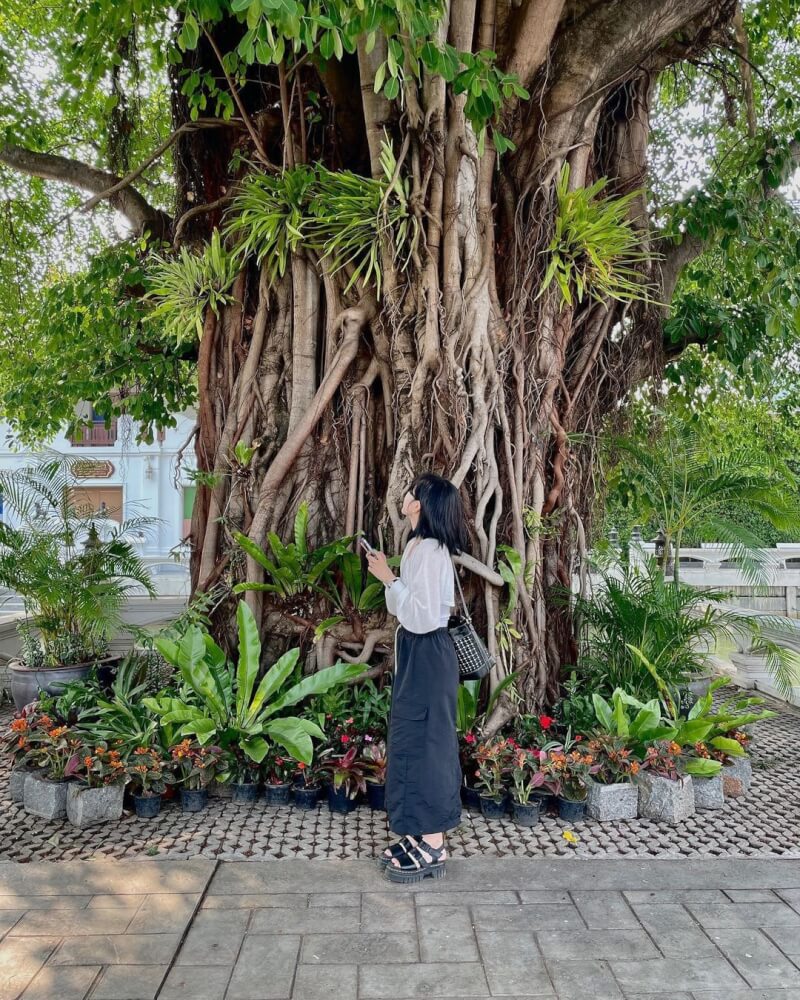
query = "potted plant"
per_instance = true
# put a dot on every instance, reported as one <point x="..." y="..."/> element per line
<point x="16" y="745"/>
<point x="96" y="797"/>
<point x="195" y="765"/>
<point x="374" y="753"/>
<point x="72" y="582"/>
<point x="147" y="774"/>
<point x="346" y="778"/>
<point x="307" y="786"/>
<point x="611" y="792"/>
<point x="526" y="776"/>
<point x="242" y="774"/>
<point x="470" y="793"/>
<point x="493" y="759"/>
<point x="566" y="774"/>
<point x="665" y="793"/>
<point x="278" y="769"/>
<point x="706" y="776"/>
<point x="228" y="708"/>
<point x="54" y="752"/>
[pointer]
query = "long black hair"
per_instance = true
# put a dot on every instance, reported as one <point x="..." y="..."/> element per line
<point x="441" y="513"/>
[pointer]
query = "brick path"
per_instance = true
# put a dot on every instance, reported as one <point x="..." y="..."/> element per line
<point x="766" y="823"/>
<point x="566" y="929"/>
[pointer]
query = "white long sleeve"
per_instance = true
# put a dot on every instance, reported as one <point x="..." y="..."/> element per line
<point x="422" y="596"/>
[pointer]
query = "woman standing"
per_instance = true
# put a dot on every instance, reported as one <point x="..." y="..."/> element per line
<point x="423" y="775"/>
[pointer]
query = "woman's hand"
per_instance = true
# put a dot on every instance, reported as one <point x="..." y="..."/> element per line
<point x="377" y="565"/>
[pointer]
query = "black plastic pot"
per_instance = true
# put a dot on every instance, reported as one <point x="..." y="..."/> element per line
<point x="244" y="792"/>
<point x="570" y="810"/>
<point x="306" y="798"/>
<point x="470" y="797"/>
<point x="526" y="813"/>
<point x="493" y="808"/>
<point x="194" y="800"/>
<point x="338" y="800"/>
<point x="376" y="795"/>
<point x="278" y="795"/>
<point x="147" y="806"/>
<point x="546" y="800"/>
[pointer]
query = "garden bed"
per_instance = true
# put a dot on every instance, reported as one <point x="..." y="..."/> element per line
<point x="763" y="823"/>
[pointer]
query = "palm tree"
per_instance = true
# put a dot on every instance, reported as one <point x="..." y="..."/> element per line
<point x="690" y="492"/>
<point x="73" y="583"/>
<point x="674" y="625"/>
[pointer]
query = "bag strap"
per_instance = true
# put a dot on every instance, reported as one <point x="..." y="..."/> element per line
<point x="461" y="592"/>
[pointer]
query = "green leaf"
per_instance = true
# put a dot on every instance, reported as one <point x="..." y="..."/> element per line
<point x="603" y="712"/>
<point x="380" y="76"/>
<point x="190" y="32"/>
<point x="272" y="682"/>
<point x="731" y="747"/>
<point x="249" y="660"/>
<point x="702" y="768"/>
<point x="292" y="736"/>
<point x="317" y="683"/>
<point x="256" y="748"/>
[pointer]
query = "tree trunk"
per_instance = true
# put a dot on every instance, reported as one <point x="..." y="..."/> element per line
<point x="459" y="366"/>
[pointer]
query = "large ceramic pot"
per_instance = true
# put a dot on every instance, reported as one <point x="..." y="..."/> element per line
<point x="26" y="682"/>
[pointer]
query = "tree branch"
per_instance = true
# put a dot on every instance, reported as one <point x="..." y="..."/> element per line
<point x="136" y="209"/>
<point x="533" y="29"/>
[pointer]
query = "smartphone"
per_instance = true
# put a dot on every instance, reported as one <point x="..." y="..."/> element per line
<point x="366" y="546"/>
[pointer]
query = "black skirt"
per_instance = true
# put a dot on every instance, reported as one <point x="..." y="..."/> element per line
<point x="423" y="771"/>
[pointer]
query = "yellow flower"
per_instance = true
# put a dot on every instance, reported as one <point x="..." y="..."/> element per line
<point x="570" y="837"/>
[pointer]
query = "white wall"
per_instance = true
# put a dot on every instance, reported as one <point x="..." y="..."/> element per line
<point x="142" y="496"/>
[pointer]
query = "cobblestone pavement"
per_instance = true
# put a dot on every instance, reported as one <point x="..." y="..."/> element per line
<point x="765" y="823"/>
<point x="565" y="929"/>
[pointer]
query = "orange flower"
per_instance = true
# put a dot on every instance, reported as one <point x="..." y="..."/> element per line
<point x="57" y="732"/>
<point x="88" y="761"/>
<point x="21" y="743"/>
<point x="45" y="722"/>
<point x="634" y="767"/>
<point x="141" y="750"/>
<point x="675" y="748"/>
<point x="19" y="725"/>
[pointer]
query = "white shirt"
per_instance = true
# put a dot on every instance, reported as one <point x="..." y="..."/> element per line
<point x="422" y="597"/>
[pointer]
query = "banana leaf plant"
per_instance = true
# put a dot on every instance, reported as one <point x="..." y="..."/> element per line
<point x="230" y="710"/>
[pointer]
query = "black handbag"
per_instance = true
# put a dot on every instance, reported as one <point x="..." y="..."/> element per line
<point x="474" y="660"/>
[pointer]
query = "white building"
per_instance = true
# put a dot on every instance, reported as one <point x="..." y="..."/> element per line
<point x="127" y="480"/>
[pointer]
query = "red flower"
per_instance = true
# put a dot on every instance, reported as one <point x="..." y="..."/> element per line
<point x="469" y="738"/>
<point x="545" y="721"/>
<point x="345" y="739"/>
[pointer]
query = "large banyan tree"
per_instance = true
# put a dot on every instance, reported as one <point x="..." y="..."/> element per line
<point x="379" y="237"/>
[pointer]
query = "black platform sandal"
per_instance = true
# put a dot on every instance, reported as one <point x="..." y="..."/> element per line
<point x="398" y="849"/>
<point x="413" y="866"/>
